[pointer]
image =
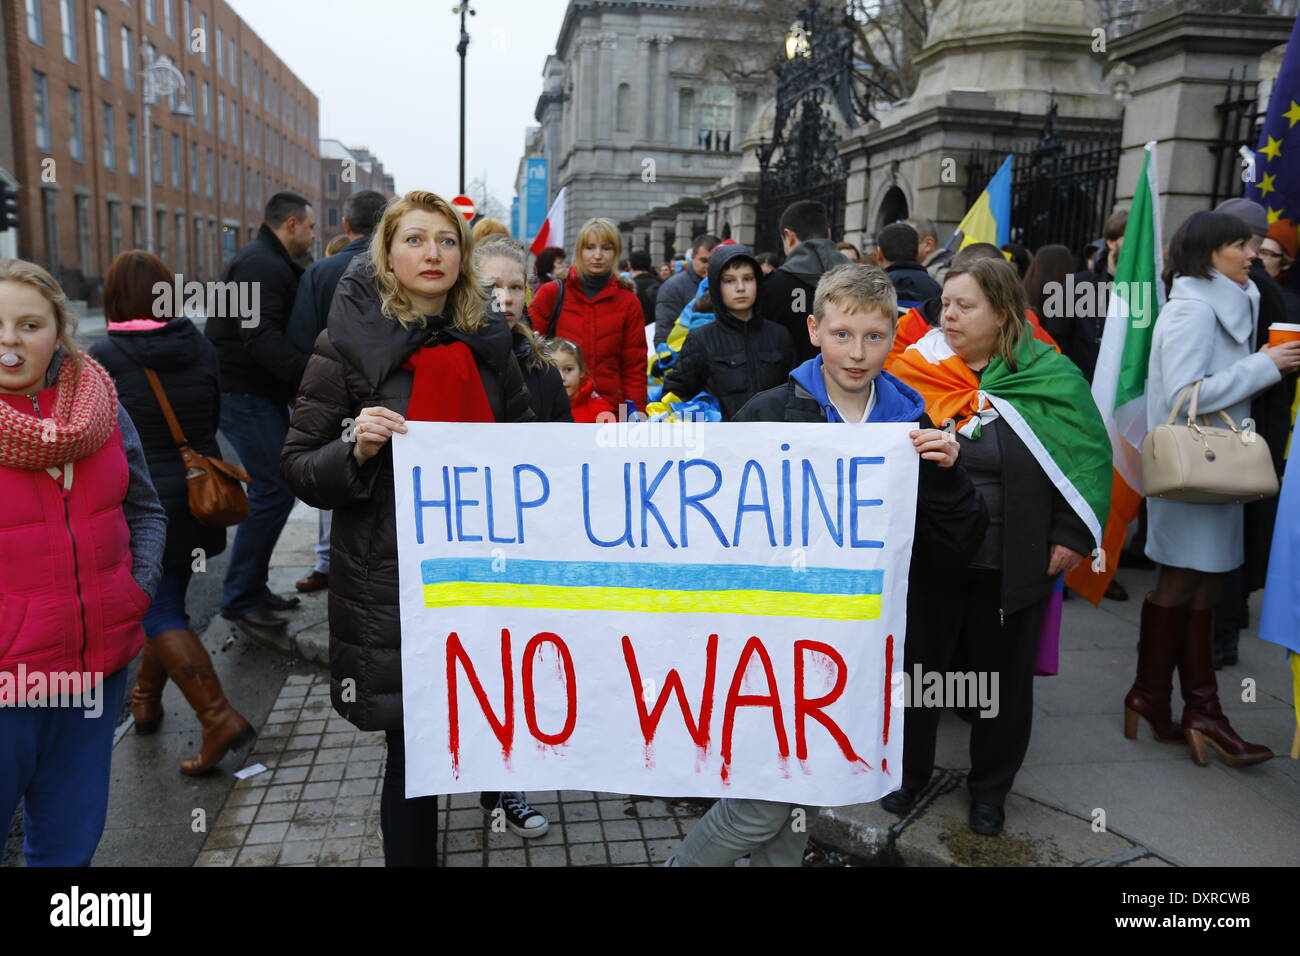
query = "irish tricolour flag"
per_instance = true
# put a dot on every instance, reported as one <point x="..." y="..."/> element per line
<point x="1120" y="384"/>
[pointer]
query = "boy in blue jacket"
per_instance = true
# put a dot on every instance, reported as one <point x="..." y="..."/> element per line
<point x="855" y="311"/>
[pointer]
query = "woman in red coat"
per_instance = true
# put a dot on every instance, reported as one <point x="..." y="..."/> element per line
<point x="600" y="314"/>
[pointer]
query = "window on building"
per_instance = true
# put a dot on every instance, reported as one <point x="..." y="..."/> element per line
<point x="81" y="205"/>
<point x="187" y="12"/>
<point x="198" y="245"/>
<point x="208" y="168"/>
<point x="156" y="153"/>
<point x="232" y="62"/>
<point x="194" y="168"/>
<point x="35" y="22"/>
<point x="138" y="237"/>
<point x="717" y="105"/>
<point x="148" y="11"/>
<point x="68" y="18"/>
<point x="181" y="262"/>
<point x="177" y="161"/>
<point x="221" y="116"/>
<point x="333" y="217"/>
<point x="623" y="108"/>
<point x="245" y="73"/>
<point x="234" y="183"/>
<point x="221" y="51"/>
<point x="128" y="59"/>
<point x="114" y="229"/>
<point x="747" y="104"/>
<point x="110" y="149"/>
<point x="225" y="180"/>
<point x="76" y="133"/>
<point x="332" y="185"/>
<point x="686" y="119"/>
<point x="203" y="25"/>
<point x="207" y="106"/>
<point x="102" y="58"/>
<point x="257" y="83"/>
<point x="234" y="122"/>
<point x="194" y="91"/>
<point x="50" y="213"/>
<point x="160" y="234"/>
<point x="168" y="24"/>
<point x="41" y="104"/>
<point x="132" y="147"/>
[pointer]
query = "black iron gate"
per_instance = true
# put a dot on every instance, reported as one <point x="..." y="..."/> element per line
<point x="802" y="159"/>
<point x="1239" y="124"/>
<point x="1062" y="190"/>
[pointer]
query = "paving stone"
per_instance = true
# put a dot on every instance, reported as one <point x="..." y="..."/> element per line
<point x="315" y="810"/>
<point x="320" y="791"/>
<point x="294" y="679"/>
<point x="357" y="788"/>
<point x="339" y="851"/>
<point x="307" y="830"/>
<point x="333" y="755"/>
<point x="660" y="828"/>
<point x="263" y="855"/>
<point x="235" y="816"/>
<point x="582" y="832"/>
<point x="547" y="856"/>
<point x="309" y="727"/>
<point x="465" y="819"/>
<point x="325" y="772"/>
<point x="622" y="830"/>
<point x="228" y="837"/>
<point x="291" y="775"/>
<point x="370" y="752"/>
<point x="299" y="852"/>
<point x="352" y="827"/>
<point x="661" y="850"/>
<point x="630" y="851"/>
<point x="245" y="798"/>
<point x="615" y="810"/>
<point x="372" y="861"/>
<point x="507" y="858"/>
<point x="357" y="770"/>
<point x="304" y="741"/>
<point x="459" y="840"/>
<point x="462" y="801"/>
<point x="574" y="812"/>
<point x="217" y="857"/>
<point x="266" y="833"/>
<point x="337" y="739"/>
<point x="288" y="792"/>
<point x="352" y="806"/>
<point x="587" y="854"/>
<point x="276" y="812"/>
<point x="465" y="859"/>
<point x="295" y="758"/>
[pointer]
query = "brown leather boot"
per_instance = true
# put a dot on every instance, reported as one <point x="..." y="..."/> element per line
<point x="1162" y="631"/>
<point x="1203" y="719"/>
<point x="146" y="695"/>
<point x="188" y="664"/>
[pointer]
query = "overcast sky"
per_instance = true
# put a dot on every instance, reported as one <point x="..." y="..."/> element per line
<point x="388" y="77"/>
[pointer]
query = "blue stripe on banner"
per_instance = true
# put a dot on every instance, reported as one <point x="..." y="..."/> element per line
<point x="661" y="576"/>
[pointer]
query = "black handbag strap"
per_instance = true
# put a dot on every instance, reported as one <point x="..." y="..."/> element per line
<point x="554" y="327"/>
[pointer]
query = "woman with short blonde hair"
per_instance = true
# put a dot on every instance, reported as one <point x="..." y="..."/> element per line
<point x="408" y="337"/>
<point x="599" y="311"/>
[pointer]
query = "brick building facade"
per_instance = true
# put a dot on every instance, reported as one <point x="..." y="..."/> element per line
<point x="345" y="170"/>
<point x="76" y="96"/>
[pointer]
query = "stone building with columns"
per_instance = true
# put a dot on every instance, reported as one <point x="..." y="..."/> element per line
<point x="641" y="114"/>
<point x="644" y="127"/>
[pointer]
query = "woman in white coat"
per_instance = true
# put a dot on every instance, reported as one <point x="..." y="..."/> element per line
<point x="1204" y="333"/>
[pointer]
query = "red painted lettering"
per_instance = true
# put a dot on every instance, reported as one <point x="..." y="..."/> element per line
<point x="812" y="707"/>
<point x="697" y="727"/>
<point x="504" y="728"/>
<point x="570" y="689"/>
<point x="736" y="699"/>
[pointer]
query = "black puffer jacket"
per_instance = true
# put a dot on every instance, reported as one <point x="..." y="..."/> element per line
<point x="358" y="363"/>
<point x="732" y="360"/>
<point x="186" y="364"/>
<point x="546" y="395"/>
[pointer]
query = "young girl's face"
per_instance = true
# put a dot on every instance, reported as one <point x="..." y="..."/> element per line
<point x="28" y="331"/>
<point x="569" y="374"/>
<point x="506" y="279"/>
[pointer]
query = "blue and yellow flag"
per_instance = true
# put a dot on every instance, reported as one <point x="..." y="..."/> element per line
<point x="1276" y="186"/>
<point x="989" y="220"/>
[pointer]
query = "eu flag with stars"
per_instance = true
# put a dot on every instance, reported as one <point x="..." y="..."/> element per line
<point x="1277" y="160"/>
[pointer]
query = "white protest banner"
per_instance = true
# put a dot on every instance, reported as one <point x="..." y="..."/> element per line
<point x="654" y="608"/>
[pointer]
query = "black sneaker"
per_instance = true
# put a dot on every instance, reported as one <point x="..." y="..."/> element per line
<point x="519" y="816"/>
<point x="986" y="819"/>
<point x="901" y="801"/>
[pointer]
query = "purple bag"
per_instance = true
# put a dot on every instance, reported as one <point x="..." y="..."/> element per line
<point x="1048" y="663"/>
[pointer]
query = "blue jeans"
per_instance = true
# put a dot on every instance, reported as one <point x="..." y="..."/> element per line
<point x="257" y="428"/>
<point x="167" y="612"/>
<point x="56" y="760"/>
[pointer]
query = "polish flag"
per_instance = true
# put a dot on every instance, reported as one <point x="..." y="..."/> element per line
<point x="552" y="231"/>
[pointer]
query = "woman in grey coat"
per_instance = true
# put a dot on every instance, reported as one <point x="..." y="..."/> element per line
<point x="1204" y="333"/>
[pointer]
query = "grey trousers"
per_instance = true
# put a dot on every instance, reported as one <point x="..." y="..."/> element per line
<point x="769" y="832"/>
<point x="323" y="541"/>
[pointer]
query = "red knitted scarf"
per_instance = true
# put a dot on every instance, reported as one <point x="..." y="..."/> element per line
<point x="85" y="412"/>
<point x="447" y="386"/>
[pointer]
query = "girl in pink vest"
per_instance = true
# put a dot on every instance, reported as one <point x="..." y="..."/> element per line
<point x="81" y="538"/>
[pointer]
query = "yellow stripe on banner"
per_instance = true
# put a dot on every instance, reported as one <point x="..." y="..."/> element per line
<point x="854" y="607"/>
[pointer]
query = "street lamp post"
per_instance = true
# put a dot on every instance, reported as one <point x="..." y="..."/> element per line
<point x="461" y="48"/>
<point x="160" y="78"/>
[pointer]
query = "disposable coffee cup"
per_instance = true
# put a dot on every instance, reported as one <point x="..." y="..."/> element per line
<point x="1280" y="332"/>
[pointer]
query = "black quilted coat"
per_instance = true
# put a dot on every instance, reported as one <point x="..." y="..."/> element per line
<point x="356" y="364"/>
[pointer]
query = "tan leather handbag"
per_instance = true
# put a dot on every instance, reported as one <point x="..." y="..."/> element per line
<point x="217" y="499"/>
<point x="1206" y="465"/>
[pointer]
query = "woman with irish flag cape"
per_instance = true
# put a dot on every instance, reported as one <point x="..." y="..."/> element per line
<point x="1033" y="442"/>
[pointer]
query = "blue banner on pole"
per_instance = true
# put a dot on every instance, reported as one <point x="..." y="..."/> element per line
<point x="535" y="201"/>
<point x="514" y="218"/>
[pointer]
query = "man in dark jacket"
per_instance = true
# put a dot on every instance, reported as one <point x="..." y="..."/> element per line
<point x="936" y="260"/>
<point x="260" y="370"/>
<point x="786" y="296"/>
<point x="1079" y="335"/>
<point x="646" y="282"/>
<point x="311" y="311"/>
<point x="896" y="251"/>
<point x="739" y="353"/>
<point x="677" y="292"/>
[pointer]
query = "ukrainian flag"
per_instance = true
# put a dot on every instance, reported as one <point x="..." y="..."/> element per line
<point x="989" y="220"/>
<point x="838" y="594"/>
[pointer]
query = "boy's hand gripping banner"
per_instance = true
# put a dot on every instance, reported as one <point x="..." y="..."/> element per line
<point x="654" y="608"/>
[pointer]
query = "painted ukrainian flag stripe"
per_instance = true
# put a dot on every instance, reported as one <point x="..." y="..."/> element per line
<point x="829" y="593"/>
